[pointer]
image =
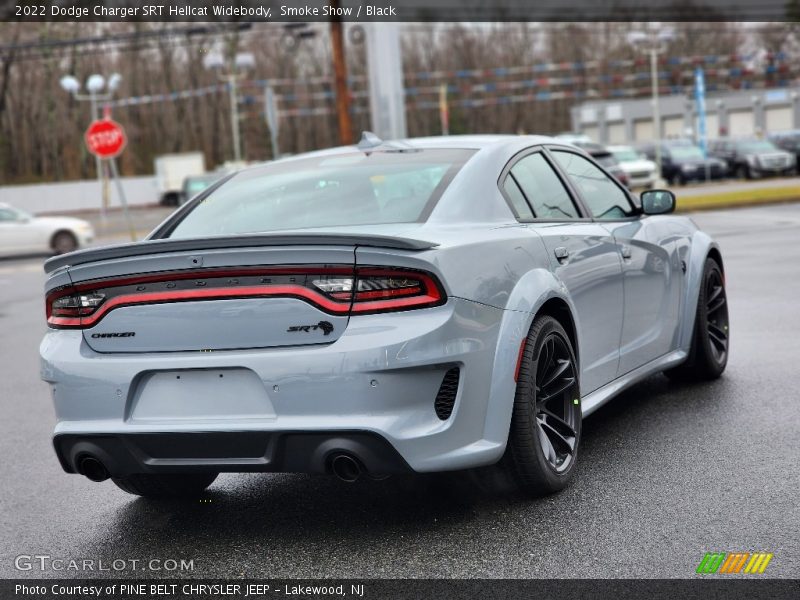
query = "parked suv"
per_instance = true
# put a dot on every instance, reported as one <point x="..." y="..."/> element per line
<point x="682" y="161"/>
<point x="641" y="171"/>
<point x="789" y="141"/>
<point x="748" y="158"/>
<point x="605" y="158"/>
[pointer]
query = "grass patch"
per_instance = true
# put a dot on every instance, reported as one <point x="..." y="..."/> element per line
<point x="747" y="197"/>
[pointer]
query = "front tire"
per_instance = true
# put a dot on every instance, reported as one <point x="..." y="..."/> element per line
<point x="708" y="355"/>
<point x="165" y="486"/>
<point x="545" y="429"/>
<point x="64" y="242"/>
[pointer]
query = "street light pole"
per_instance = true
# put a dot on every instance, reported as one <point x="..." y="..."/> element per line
<point x="653" y="42"/>
<point x="94" y="84"/>
<point x="235" y="71"/>
<point x="656" y="109"/>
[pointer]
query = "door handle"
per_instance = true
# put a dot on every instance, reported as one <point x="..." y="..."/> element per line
<point x="625" y="251"/>
<point x="561" y="253"/>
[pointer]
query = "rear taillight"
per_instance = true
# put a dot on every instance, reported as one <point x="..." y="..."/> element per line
<point x="333" y="289"/>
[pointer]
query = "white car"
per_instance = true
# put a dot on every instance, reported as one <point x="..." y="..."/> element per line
<point x="641" y="172"/>
<point x="21" y="233"/>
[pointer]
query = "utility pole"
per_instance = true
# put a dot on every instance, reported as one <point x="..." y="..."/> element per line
<point x="340" y="78"/>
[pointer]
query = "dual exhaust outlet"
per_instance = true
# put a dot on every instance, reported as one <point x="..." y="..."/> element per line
<point x="92" y="469"/>
<point x="344" y="466"/>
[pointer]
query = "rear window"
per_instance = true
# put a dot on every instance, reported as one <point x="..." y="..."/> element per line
<point x="326" y="191"/>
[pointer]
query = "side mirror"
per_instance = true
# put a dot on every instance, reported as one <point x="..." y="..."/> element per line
<point x="657" y="202"/>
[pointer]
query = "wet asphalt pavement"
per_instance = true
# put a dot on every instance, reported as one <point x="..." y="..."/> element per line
<point x="667" y="471"/>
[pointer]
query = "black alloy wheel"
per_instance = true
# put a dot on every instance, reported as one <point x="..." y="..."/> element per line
<point x="708" y="354"/>
<point x="545" y="432"/>
<point x="557" y="403"/>
<point x="716" y="316"/>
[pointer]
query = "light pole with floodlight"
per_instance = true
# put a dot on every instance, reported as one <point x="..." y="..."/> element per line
<point x="236" y="71"/>
<point x="653" y="41"/>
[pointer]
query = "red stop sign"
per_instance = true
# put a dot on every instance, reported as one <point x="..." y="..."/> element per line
<point x="105" y="138"/>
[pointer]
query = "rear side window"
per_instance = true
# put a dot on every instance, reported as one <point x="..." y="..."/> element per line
<point x="517" y="199"/>
<point x="335" y="190"/>
<point x="543" y="189"/>
<point x="605" y="199"/>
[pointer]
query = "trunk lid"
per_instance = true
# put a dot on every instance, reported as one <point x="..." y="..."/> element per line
<point x="242" y="292"/>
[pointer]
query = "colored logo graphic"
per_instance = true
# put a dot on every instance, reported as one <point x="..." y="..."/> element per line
<point x="734" y="562"/>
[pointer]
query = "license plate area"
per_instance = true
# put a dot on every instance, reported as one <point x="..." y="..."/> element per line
<point x="233" y="394"/>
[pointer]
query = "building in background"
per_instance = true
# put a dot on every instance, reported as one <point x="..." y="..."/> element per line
<point x="728" y="114"/>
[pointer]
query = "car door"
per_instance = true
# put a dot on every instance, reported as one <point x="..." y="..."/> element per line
<point x="12" y="233"/>
<point x="648" y="248"/>
<point x="583" y="256"/>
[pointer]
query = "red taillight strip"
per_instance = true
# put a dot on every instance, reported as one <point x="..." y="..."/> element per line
<point x="428" y="293"/>
<point x="286" y="291"/>
<point x="432" y="292"/>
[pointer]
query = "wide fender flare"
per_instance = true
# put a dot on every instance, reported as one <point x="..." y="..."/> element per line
<point x="526" y="299"/>
<point x="701" y="246"/>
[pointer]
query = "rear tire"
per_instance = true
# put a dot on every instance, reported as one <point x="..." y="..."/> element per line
<point x="708" y="355"/>
<point x="63" y="242"/>
<point x="744" y="172"/>
<point x="545" y="429"/>
<point x="165" y="486"/>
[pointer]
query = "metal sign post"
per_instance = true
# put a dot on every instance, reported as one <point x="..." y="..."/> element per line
<point x="106" y="139"/>
<point x="115" y="174"/>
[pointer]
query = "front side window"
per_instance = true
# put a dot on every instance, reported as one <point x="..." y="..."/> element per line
<point x="604" y="198"/>
<point x="327" y="191"/>
<point x="543" y="189"/>
<point x="8" y="214"/>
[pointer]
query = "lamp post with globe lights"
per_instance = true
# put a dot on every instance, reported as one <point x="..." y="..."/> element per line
<point x="653" y="41"/>
<point x="95" y="84"/>
<point x="231" y="72"/>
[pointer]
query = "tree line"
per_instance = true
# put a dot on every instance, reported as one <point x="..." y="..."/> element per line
<point x="41" y="126"/>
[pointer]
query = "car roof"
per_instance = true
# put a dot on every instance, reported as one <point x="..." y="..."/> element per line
<point x="467" y="142"/>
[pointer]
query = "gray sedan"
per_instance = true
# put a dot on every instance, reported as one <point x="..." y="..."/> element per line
<point x="430" y="305"/>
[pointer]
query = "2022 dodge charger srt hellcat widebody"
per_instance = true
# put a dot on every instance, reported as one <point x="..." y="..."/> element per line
<point x="432" y="305"/>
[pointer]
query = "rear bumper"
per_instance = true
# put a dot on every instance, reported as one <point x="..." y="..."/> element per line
<point x="232" y="451"/>
<point x="381" y="377"/>
<point x="772" y="172"/>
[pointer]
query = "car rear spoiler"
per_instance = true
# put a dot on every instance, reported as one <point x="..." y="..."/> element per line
<point x="240" y="241"/>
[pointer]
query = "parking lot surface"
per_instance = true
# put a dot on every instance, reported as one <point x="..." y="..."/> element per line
<point x="667" y="471"/>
